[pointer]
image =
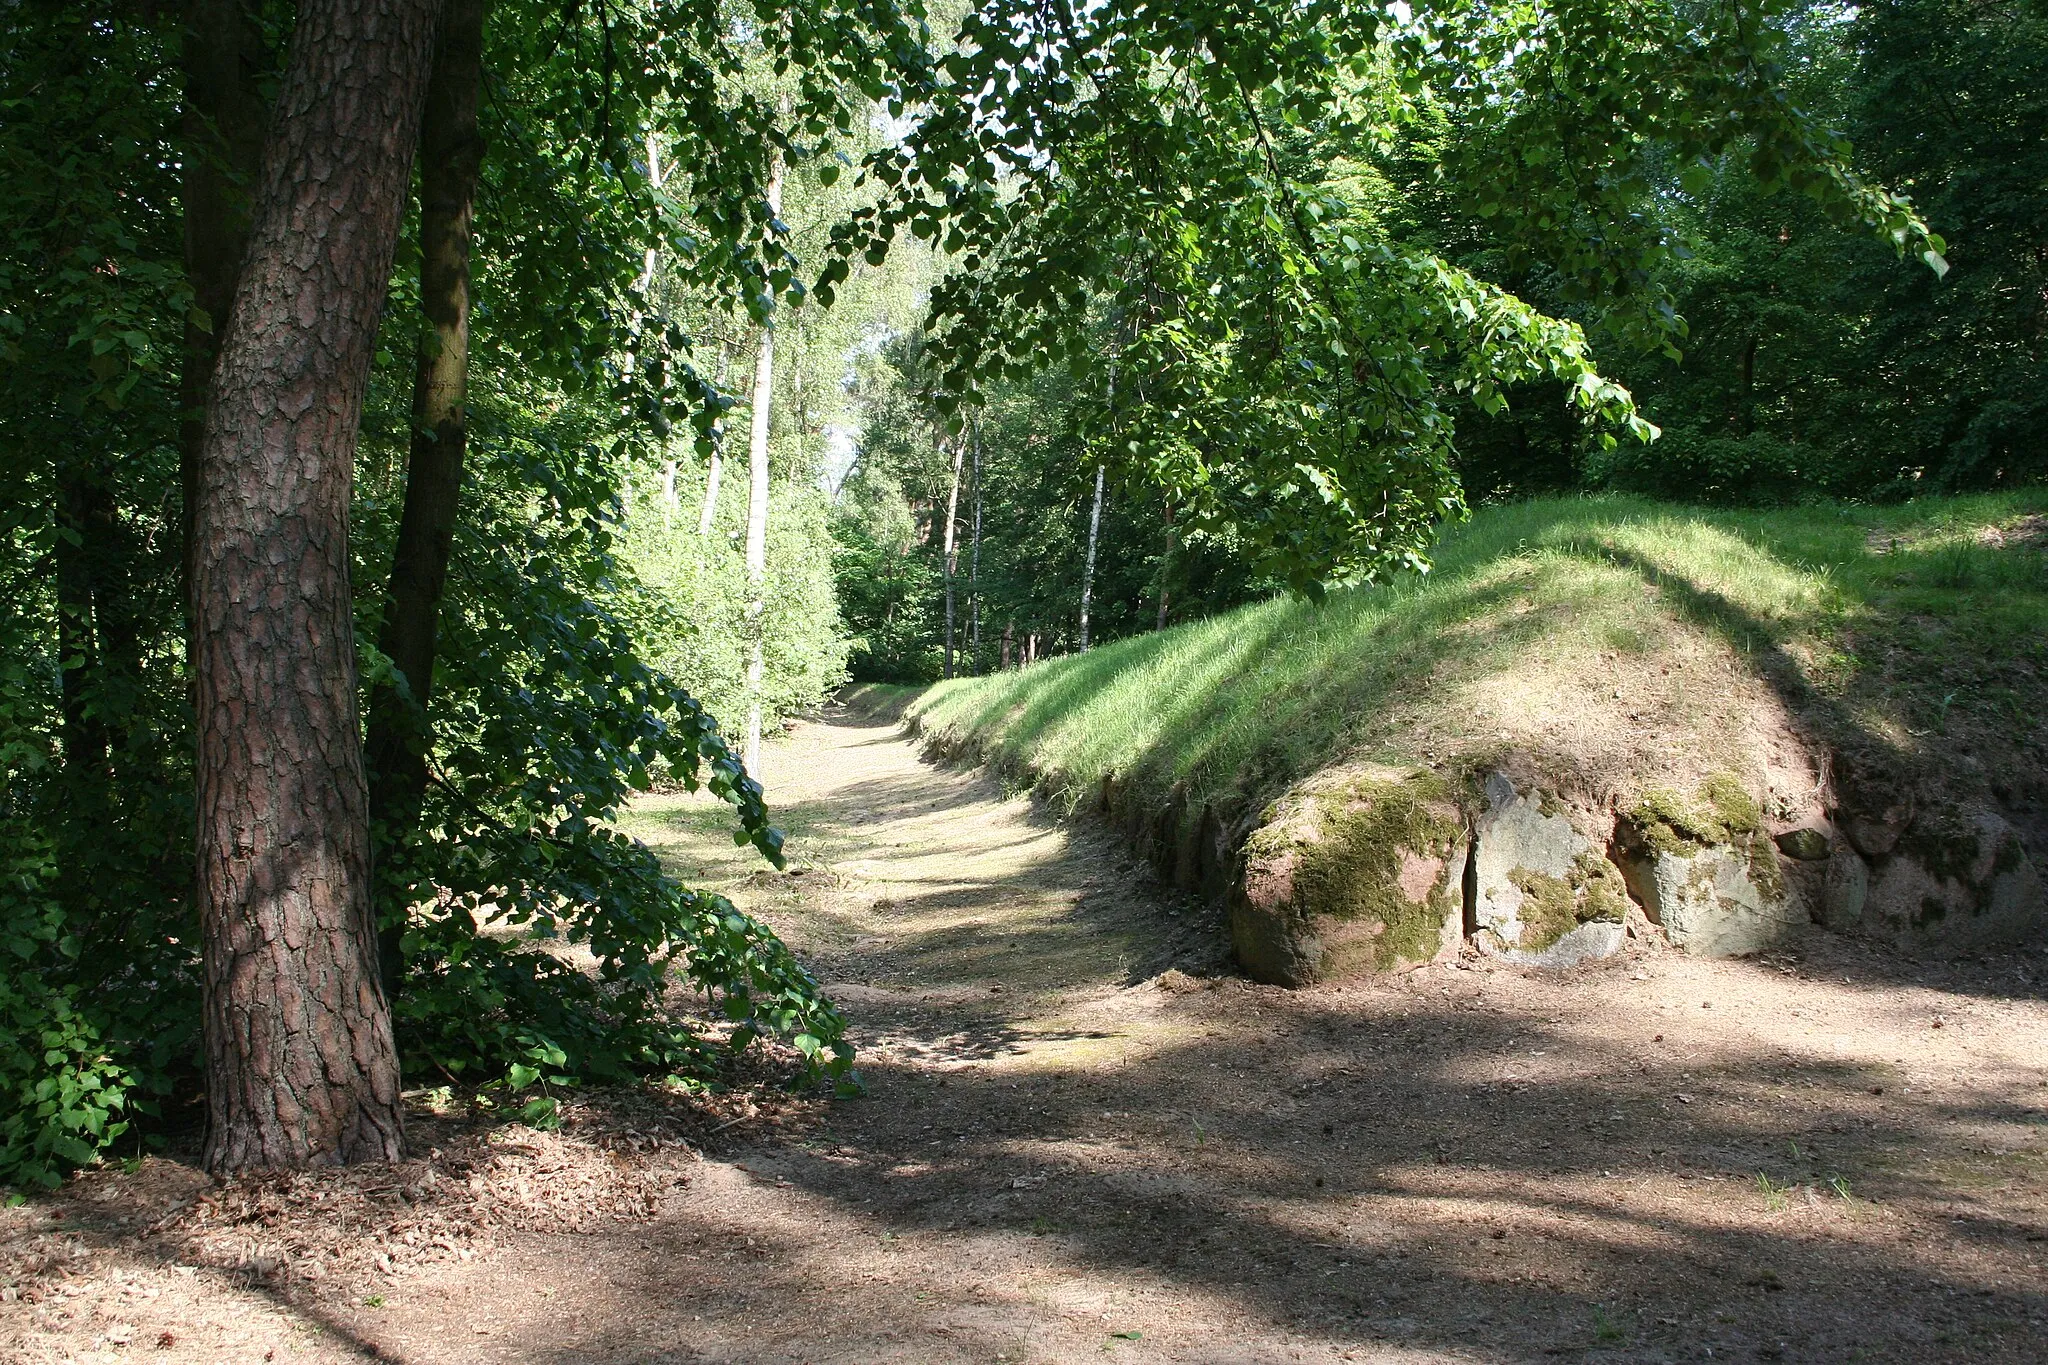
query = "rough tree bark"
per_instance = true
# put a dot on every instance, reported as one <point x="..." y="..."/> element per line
<point x="401" y="730"/>
<point x="225" y="58"/>
<point x="301" y="1067"/>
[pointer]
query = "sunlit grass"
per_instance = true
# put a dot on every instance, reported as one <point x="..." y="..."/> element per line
<point x="1525" y="604"/>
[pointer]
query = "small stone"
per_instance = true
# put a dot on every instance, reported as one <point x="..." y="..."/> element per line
<point x="1806" y="844"/>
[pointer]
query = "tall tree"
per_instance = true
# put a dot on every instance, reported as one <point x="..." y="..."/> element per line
<point x="401" y="729"/>
<point x="948" y="563"/>
<point x="974" y="565"/>
<point x="225" y="56"/>
<point x="715" y="464"/>
<point x="1088" y="571"/>
<point x="301" y="1065"/>
<point x="757" y="501"/>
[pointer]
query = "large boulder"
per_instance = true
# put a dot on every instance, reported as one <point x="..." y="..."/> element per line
<point x="1705" y="870"/>
<point x="1954" y="881"/>
<point x="1543" y="892"/>
<point x="1360" y="872"/>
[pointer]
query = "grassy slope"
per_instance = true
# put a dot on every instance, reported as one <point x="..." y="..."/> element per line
<point x="1624" y="642"/>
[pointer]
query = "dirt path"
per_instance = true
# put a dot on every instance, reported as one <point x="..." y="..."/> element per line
<point x="1084" y="1141"/>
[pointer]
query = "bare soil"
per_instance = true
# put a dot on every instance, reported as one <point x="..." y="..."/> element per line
<point x="1085" y="1139"/>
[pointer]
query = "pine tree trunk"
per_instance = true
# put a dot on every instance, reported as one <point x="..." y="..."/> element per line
<point x="757" y="509"/>
<point x="951" y="561"/>
<point x="224" y="57"/>
<point x="1088" y="573"/>
<point x="401" y="731"/>
<point x="301" y="1066"/>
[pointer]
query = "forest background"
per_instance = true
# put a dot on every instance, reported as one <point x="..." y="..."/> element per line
<point x="820" y="503"/>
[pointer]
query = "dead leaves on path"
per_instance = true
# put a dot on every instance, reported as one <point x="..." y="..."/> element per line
<point x="617" y="1158"/>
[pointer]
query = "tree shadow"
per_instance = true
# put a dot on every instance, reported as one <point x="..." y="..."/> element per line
<point x="1350" y="1185"/>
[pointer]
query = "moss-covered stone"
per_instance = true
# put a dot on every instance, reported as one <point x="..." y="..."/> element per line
<point x="1957" y="880"/>
<point x="1949" y="848"/>
<point x="1362" y="875"/>
<point x="1806" y="844"/>
<point x="1705" y="869"/>
<point x="1723" y="814"/>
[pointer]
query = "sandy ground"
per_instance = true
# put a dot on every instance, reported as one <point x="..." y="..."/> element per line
<point x="1084" y="1140"/>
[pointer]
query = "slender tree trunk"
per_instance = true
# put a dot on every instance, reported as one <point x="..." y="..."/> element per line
<point x="224" y="57"/>
<point x="301" y="1066"/>
<point x="711" y="477"/>
<point x="1166" y="568"/>
<point x="974" y="567"/>
<point x="757" y="508"/>
<point x="1746" y="408"/>
<point x="1088" y="572"/>
<point x="1009" y="629"/>
<point x="951" y="560"/>
<point x="655" y="177"/>
<point x="401" y="729"/>
<point x="80" y="684"/>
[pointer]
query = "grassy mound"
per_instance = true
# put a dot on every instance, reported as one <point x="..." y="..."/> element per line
<point x="1617" y="645"/>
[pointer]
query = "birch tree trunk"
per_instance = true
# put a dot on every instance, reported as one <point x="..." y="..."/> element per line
<point x="757" y="508"/>
<point x="711" y="478"/>
<point x="1088" y="572"/>
<point x="301" y="1069"/>
<point x="952" y="559"/>
<point x="1166" y="568"/>
<point x="655" y="177"/>
<point x="401" y="731"/>
<point x="974" y="566"/>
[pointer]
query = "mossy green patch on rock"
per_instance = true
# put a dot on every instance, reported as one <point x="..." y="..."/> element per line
<point x="1724" y="813"/>
<point x="1369" y="872"/>
<point x="1554" y="906"/>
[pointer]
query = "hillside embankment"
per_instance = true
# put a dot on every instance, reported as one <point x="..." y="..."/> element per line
<point x="1595" y="718"/>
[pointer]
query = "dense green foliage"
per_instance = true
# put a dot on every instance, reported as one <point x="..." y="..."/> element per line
<point x="1783" y="355"/>
<point x="1813" y="366"/>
